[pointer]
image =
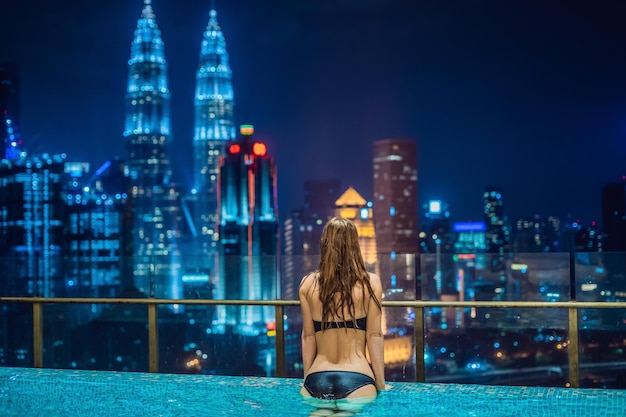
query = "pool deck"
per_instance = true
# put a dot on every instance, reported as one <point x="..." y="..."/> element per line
<point x="50" y="392"/>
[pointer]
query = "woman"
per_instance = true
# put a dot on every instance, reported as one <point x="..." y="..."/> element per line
<point x="341" y="322"/>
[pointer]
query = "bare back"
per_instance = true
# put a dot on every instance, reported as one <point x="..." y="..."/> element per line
<point x="340" y="348"/>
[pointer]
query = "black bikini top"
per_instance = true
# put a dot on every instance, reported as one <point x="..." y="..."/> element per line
<point x="360" y="324"/>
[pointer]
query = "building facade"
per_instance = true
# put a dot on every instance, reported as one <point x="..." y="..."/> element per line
<point x="31" y="225"/>
<point x="248" y="231"/>
<point x="214" y="126"/>
<point x="395" y="212"/>
<point x="155" y="206"/>
<point x="497" y="234"/>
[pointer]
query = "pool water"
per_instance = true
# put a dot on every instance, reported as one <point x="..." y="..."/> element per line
<point x="48" y="392"/>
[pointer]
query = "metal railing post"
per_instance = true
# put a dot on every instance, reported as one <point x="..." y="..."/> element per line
<point x="420" y="369"/>
<point x="280" y="341"/>
<point x="37" y="336"/>
<point x="572" y="348"/>
<point x="153" y="339"/>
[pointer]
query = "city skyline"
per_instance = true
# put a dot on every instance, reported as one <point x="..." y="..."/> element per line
<point x="504" y="95"/>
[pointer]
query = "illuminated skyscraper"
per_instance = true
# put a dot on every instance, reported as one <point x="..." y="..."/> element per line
<point x="396" y="212"/>
<point x="31" y="225"/>
<point x="395" y="196"/>
<point x="214" y="126"/>
<point x="155" y="208"/>
<point x="248" y="227"/>
<point x="98" y="233"/>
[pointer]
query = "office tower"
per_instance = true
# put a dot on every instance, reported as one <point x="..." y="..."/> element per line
<point x="31" y="225"/>
<point x="435" y="235"/>
<point x="214" y="126"/>
<point x="497" y="233"/>
<point x="395" y="196"/>
<point x="248" y="230"/>
<point x="292" y="266"/>
<point x="351" y="205"/>
<point x="395" y="213"/>
<point x="98" y="234"/>
<point x="10" y="112"/>
<point x="436" y="246"/>
<point x="155" y="207"/>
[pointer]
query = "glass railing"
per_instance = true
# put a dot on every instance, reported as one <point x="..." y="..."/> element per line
<point x="532" y="319"/>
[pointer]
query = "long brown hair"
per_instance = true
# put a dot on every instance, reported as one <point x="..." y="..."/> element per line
<point x="341" y="268"/>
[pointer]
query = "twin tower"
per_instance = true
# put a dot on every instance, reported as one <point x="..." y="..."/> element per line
<point x="162" y="254"/>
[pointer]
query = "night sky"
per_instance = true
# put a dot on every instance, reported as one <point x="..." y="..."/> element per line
<point x="526" y="95"/>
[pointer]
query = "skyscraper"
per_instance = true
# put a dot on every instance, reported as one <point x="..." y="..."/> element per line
<point x="395" y="196"/>
<point x="98" y="233"/>
<point x="395" y="213"/>
<point x="248" y="227"/>
<point x="214" y="126"/>
<point x="31" y="225"/>
<point x="147" y="132"/>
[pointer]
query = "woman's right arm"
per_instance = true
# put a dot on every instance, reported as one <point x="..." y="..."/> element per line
<point x="309" y="346"/>
<point x="374" y="334"/>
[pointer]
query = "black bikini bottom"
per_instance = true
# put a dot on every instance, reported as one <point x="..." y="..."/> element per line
<point x="335" y="385"/>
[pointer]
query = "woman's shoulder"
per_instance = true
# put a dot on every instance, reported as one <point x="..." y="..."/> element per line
<point x="374" y="280"/>
<point x="308" y="280"/>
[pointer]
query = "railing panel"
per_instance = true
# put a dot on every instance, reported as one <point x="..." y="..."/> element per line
<point x="16" y="334"/>
<point x="490" y="346"/>
<point x="191" y="340"/>
<point x="106" y="337"/>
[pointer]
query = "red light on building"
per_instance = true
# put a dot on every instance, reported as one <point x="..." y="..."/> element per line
<point x="234" y="148"/>
<point x="270" y="325"/>
<point x="259" y="149"/>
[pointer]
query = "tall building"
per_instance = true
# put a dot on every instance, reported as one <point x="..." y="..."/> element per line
<point x="395" y="195"/>
<point x="214" y="125"/>
<point x="248" y="231"/>
<point x="98" y="233"/>
<point x="395" y="212"/>
<point x="497" y="233"/>
<point x="156" y="210"/>
<point x="31" y="225"/>
<point x="10" y="112"/>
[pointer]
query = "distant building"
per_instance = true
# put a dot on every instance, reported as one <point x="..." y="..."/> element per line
<point x="98" y="232"/>
<point x="214" y="126"/>
<point x="395" y="212"/>
<point x="537" y="234"/>
<point x="31" y="225"/>
<point x="155" y="205"/>
<point x="497" y="234"/>
<point x="351" y="205"/>
<point x="248" y="231"/>
<point x="395" y="196"/>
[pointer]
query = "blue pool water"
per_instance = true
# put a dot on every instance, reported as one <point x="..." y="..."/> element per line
<point x="46" y="392"/>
